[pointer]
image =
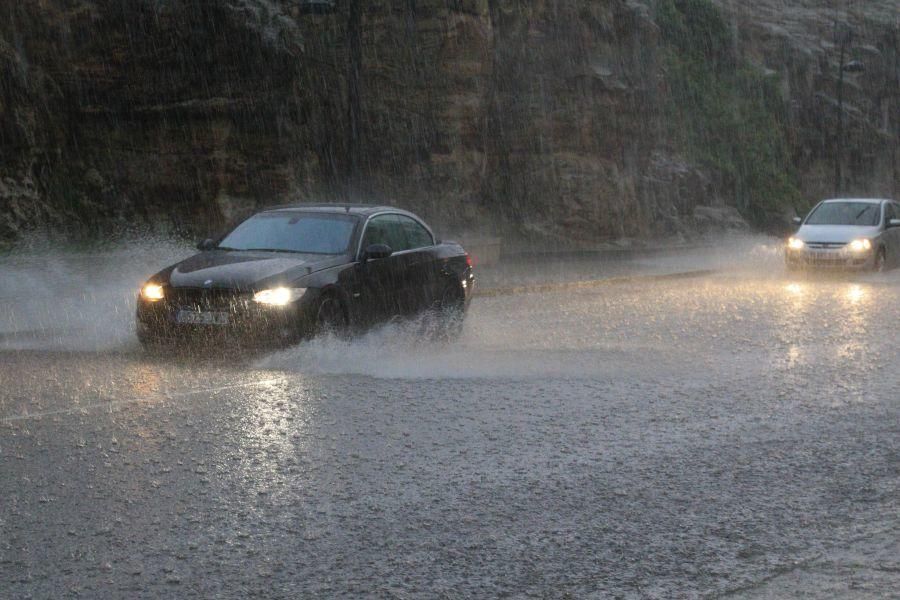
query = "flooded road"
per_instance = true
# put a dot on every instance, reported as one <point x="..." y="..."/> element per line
<point x="725" y="434"/>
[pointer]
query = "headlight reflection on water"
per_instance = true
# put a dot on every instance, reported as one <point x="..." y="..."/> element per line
<point x="793" y="305"/>
<point x="853" y="352"/>
<point x="275" y="419"/>
<point x="855" y="294"/>
<point x="795" y="289"/>
<point x="826" y="324"/>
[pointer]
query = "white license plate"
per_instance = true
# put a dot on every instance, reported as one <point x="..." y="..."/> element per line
<point x="195" y="317"/>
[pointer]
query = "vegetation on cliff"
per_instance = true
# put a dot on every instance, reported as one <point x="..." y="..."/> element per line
<point x="729" y="116"/>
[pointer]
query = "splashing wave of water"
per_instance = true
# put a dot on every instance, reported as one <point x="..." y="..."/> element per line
<point x="74" y="300"/>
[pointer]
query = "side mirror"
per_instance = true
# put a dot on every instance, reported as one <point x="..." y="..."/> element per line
<point x="797" y="220"/>
<point x="894" y="223"/>
<point x="376" y="251"/>
<point x="206" y="244"/>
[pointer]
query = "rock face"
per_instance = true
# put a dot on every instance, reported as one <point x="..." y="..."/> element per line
<point x="555" y="120"/>
<point x="800" y="43"/>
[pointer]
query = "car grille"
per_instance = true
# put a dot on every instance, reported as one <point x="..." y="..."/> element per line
<point x="825" y="245"/>
<point x="207" y="299"/>
<point x="826" y="261"/>
<point x="831" y="259"/>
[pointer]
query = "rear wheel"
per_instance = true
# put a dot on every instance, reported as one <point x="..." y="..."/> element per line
<point x="444" y="320"/>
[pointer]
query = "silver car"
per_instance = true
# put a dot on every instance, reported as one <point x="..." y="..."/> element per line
<point x="847" y="233"/>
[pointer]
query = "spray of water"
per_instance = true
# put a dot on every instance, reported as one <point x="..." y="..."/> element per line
<point x="494" y="344"/>
<point x="82" y="301"/>
<point x="78" y="301"/>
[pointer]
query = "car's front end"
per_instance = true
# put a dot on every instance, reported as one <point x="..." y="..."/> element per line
<point x="255" y="285"/>
<point x="272" y="316"/>
<point x="839" y="234"/>
<point x="810" y="249"/>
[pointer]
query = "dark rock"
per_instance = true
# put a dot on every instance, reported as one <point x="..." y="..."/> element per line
<point x="546" y="120"/>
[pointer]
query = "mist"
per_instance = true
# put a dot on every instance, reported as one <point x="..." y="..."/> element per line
<point x="67" y="300"/>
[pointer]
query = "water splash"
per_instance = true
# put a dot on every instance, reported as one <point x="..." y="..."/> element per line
<point x="83" y="301"/>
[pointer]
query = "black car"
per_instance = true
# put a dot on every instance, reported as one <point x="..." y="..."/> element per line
<point x="291" y="271"/>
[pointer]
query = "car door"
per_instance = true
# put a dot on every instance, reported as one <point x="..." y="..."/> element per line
<point x="892" y="234"/>
<point x="418" y="265"/>
<point x="379" y="279"/>
<point x="896" y="234"/>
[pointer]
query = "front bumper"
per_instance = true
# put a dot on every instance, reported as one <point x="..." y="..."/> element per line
<point x="839" y="259"/>
<point x="247" y="322"/>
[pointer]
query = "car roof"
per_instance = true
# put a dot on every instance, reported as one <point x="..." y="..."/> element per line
<point x="863" y="200"/>
<point x="363" y="210"/>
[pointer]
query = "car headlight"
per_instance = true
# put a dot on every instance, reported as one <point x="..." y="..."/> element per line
<point x="152" y="292"/>
<point x="795" y="244"/>
<point x="860" y="245"/>
<point x="279" y="296"/>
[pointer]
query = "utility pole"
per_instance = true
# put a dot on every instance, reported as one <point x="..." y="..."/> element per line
<point x="844" y="35"/>
<point x="354" y="46"/>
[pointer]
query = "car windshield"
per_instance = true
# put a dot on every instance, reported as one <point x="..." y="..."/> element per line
<point x="292" y="232"/>
<point x="845" y="213"/>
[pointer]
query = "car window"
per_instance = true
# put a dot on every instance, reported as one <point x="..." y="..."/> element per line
<point x="416" y="235"/>
<point x="287" y="231"/>
<point x="889" y="212"/>
<point x="384" y="229"/>
<point x="845" y="213"/>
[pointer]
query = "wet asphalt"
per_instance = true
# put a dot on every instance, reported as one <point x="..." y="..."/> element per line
<point x="730" y="434"/>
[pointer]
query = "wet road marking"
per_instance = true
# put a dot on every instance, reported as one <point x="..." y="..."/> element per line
<point x="116" y="403"/>
<point x="588" y="283"/>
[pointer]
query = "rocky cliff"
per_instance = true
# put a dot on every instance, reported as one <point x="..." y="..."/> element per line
<point x="831" y="59"/>
<point x="579" y="121"/>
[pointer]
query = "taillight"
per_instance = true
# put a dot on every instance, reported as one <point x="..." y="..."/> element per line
<point x="469" y="260"/>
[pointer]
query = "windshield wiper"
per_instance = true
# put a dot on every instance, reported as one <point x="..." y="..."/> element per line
<point x="273" y="250"/>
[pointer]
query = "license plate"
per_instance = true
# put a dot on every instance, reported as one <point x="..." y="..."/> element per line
<point x="195" y="317"/>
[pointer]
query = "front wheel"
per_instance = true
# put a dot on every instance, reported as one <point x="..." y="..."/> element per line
<point x="880" y="261"/>
<point x="330" y="317"/>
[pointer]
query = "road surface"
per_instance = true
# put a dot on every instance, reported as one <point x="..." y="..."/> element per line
<point x="731" y="434"/>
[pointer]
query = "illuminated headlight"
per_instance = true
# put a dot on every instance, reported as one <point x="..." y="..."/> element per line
<point x="280" y="296"/>
<point x="795" y="244"/>
<point x="860" y="245"/>
<point x="152" y="292"/>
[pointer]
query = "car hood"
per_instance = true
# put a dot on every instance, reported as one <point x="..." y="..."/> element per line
<point x="835" y="234"/>
<point x="245" y="269"/>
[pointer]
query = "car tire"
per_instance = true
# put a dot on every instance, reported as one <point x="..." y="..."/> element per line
<point x="153" y="346"/>
<point x="444" y="320"/>
<point x="330" y="316"/>
<point x="880" y="263"/>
